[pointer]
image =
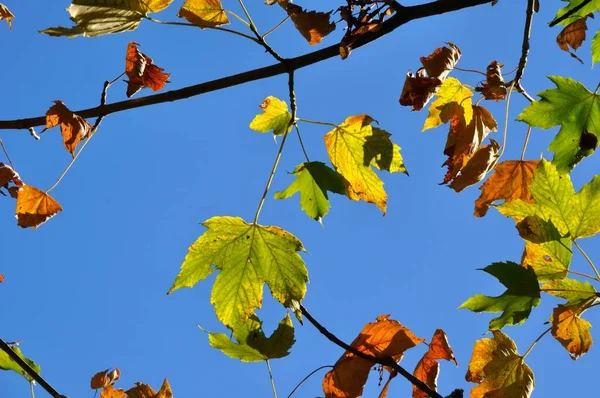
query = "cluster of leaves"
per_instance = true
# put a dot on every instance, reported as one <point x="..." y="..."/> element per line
<point x="105" y="380"/>
<point x="574" y="19"/>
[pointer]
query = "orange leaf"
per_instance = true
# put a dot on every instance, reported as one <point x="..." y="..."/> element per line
<point x="383" y="338"/>
<point x="111" y="392"/>
<point x="571" y="331"/>
<point x="441" y="61"/>
<point x="1" y="278"/>
<point x="572" y="35"/>
<point x="418" y="89"/>
<point x="73" y="128"/>
<point x="494" y="87"/>
<point x="165" y="391"/>
<point x="35" y="207"/>
<point x="103" y="379"/>
<point x="312" y="25"/>
<point x="9" y="180"/>
<point x="142" y="72"/>
<point x="483" y="161"/>
<point x="427" y="369"/>
<point x="141" y="390"/>
<point x="509" y="182"/>
<point x="6" y="14"/>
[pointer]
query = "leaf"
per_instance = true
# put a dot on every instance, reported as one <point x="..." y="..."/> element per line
<point x="570" y="330"/>
<point x="313" y="180"/>
<point x="510" y="181"/>
<point x="204" y="13"/>
<point x="141" y="390"/>
<point x="441" y="62"/>
<point x="521" y="295"/>
<point x="572" y="290"/>
<point x="252" y="345"/>
<point x="452" y="96"/>
<point x="596" y="47"/>
<point x="551" y="258"/>
<point x="101" y="17"/>
<point x="312" y="25"/>
<point x="111" y="392"/>
<point x="537" y="230"/>
<point x="499" y="369"/>
<point x="105" y="378"/>
<point x="428" y="368"/>
<point x="576" y="110"/>
<point x="165" y="390"/>
<point x="6" y="15"/>
<point x="275" y="117"/>
<point x="6" y="363"/>
<point x="142" y="72"/>
<point x="247" y="256"/>
<point x="354" y="147"/>
<point x="35" y="207"/>
<point x="589" y="8"/>
<point x="383" y="338"/>
<point x="483" y="161"/>
<point x="9" y="179"/>
<point x="572" y="36"/>
<point x="494" y="87"/>
<point x="73" y="128"/>
<point x="418" y="89"/>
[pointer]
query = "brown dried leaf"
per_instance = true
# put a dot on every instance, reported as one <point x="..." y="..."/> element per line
<point x="6" y="15"/>
<point x="570" y="330"/>
<point x="494" y="87"/>
<point x="35" y="207"/>
<point x="477" y="167"/>
<point x="313" y="25"/>
<point x="142" y="72"/>
<point x="105" y="378"/>
<point x="418" y="89"/>
<point x="510" y="181"/>
<point x="427" y="369"/>
<point x="572" y="36"/>
<point x="441" y="61"/>
<point x="111" y="392"/>
<point x="73" y="128"/>
<point x="9" y="176"/>
<point x="141" y="390"/>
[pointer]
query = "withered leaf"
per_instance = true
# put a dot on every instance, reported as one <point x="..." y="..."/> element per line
<point x="494" y="87"/>
<point x="428" y="368"/>
<point x="6" y="15"/>
<point x="9" y="179"/>
<point x="572" y="36"/>
<point x="483" y="161"/>
<point x="418" y="89"/>
<point x="73" y="128"/>
<point x="35" y="207"/>
<point x="142" y="72"/>
<point x="105" y="378"/>
<point x="570" y="330"/>
<point x="441" y="61"/>
<point x="111" y="392"/>
<point x="312" y="25"/>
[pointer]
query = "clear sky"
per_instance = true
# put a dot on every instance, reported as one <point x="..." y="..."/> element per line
<point x="87" y="290"/>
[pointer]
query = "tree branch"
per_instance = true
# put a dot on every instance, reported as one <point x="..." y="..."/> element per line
<point x="524" y="49"/>
<point x="385" y="361"/>
<point x="406" y="15"/>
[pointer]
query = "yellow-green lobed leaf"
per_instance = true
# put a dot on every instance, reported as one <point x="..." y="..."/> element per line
<point x="275" y="117"/>
<point x="596" y="48"/>
<point x="451" y="94"/>
<point x="6" y="363"/>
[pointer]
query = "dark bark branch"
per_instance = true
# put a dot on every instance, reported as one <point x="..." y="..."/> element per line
<point x="525" y="49"/>
<point x="385" y="361"/>
<point x="32" y="373"/>
<point x="569" y="13"/>
<point x="406" y="15"/>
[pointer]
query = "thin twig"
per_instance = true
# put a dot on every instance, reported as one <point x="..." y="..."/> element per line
<point x="275" y="27"/>
<point x="504" y="137"/>
<point x="301" y="143"/>
<point x="242" y="20"/>
<point x="32" y="373"/>
<point x="308" y="377"/>
<point x="535" y="342"/>
<point x="6" y="153"/>
<point x="525" y="143"/>
<point x="525" y="46"/>
<point x="589" y="260"/>
<point x="385" y="361"/>
<point x="235" y="32"/>
<point x="469" y="70"/>
<point x="31" y="389"/>
<point x="566" y="15"/>
<point x="271" y="378"/>
<point x="301" y="119"/>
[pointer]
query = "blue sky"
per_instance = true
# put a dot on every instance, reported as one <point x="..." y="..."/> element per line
<point x="87" y="290"/>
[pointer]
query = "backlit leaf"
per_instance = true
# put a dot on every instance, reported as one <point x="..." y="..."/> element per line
<point x="589" y="8"/>
<point x="576" y="110"/>
<point x="428" y="368"/>
<point x="73" y="128"/>
<point x="570" y="330"/>
<point x="142" y="72"/>
<point x="418" y="89"/>
<point x="383" y="338"/>
<point x="477" y="166"/>
<point x="537" y="230"/>
<point x="494" y="87"/>
<point x="551" y="258"/>
<point x="246" y="256"/>
<point x="165" y="390"/>
<point x="499" y="369"/>
<point x="35" y="207"/>
<point x="275" y="117"/>
<point x="9" y="180"/>
<point x="354" y="147"/>
<point x="251" y="343"/>
<point x="451" y="96"/>
<point x="104" y="378"/>
<point x="441" y="62"/>
<point x="510" y="181"/>
<point x="6" y="15"/>
<point x="141" y="390"/>
<point x="521" y="295"/>
<point x="111" y="392"/>
<point x="572" y="36"/>
<point x="596" y="47"/>
<point x="313" y="25"/>
<point x="313" y="180"/>
<point x="204" y="13"/>
<point x="572" y="290"/>
<point x="6" y="363"/>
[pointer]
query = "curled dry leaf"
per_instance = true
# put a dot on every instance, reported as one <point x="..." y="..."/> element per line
<point x="418" y="89"/>
<point x="142" y="72"/>
<point x="570" y="330"/>
<point x="382" y="338"/>
<point x="483" y="161"/>
<point x="35" y="207"/>
<point x="204" y="13"/>
<point x="428" y="368"/>
<point x="73" y="128"/>
<point x="6" y="15"/>
<point x="441" y="61"/>
<point x="9" y="180"/>
<point x="494" y="87"/>
<point x="312" y="25"/>
<point x="105" y="378"/>
<point x="572" y="36"/>
<point x="111" y="392"/>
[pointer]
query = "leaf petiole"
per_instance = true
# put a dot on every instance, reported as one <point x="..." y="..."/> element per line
<point x="535" y="342"/>
<point x="316" y="122"/>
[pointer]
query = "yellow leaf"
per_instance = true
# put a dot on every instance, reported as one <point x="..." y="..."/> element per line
<point x="6" y="15"/>
<point x="165" y="391"/>
<point x="157" y="5"/>
<point x="204" y="13"/>
<point x="111" y="392"/>
<point x="452" y="95"/>
<point x="35" y="207"/>
<point x="570" y="330"/>
<point x="141" y="390"/>
<point x="275" y="117"/>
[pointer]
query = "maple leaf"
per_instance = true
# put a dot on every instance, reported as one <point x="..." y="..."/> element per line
<point x="142" y="72"/>
<point x="571" y="330"/>
<point x="312" y="25"/>
<point x="251" y="343"/>
<point x="6" y="15"/>
<point x="572" y="36"/>
<point x="428" y="368"/>
<point x="521" y="295"/>
<point x="441" y="61"/>
<point x="111" y="392"/>
<point x="418" y="89"/>
<point x="510" y="181"/>
<point x="477" y="166"/>
<point x="7" y="363"/>
<point x="204" y="13"/>
<point x="313" y="180"/>
<point x="572" y="290"/>
<point x="35" y="207"/>
<point x="247" y="256"/>
<point x="589" y="8"/>
<point x="576" y="110"/>
<point x="101" y="17"/>
<point x="104" y="378"/>
<point x="499" y="369"/>
<point x="73" y="128"/>
<point x="596" y="48"/>
<point x="354" y="147"/>
<point x="494" y="87"/>
<point x="452" y="98"/>
<point x="383" y="338"/>
<point x="275" y="117"/>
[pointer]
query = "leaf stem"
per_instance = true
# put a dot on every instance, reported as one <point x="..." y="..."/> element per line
<point x="308" y="377"/>
<point x="535" y="342"/>
<point x="276" y="27"/>
<point x="300" y="119"/>
<point x="271" y="378"/>
<point x="251" y="23"/>
<point x="570" y="291"/>
<point x="235" y="32"/>
<point x="589" y="260"/>
<point x="31" y="389"/>
<point x="469" y="70"/>
<point x="301" y="143"/>
<point x="510" y="90"/>
<point x="242" y="20"/>
<point x="6" y="153"/>
<point x="525" y="143"/>
<point x="583" y="275"/>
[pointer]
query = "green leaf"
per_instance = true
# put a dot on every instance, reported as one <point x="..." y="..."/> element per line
<point x="101" y="17"/>
<point x="6" y="363"/>
<point x="596" y="48"/>
<point x="572" y="290"/>
<point x="522" y="294"/>
<point x="593" y="5"/>
<point x="252" y="345"/>
<point x="313" y="180"/>
<point x="247" y="256"/>
<point x="576" y="110"/>
<point x="275" y="118"/>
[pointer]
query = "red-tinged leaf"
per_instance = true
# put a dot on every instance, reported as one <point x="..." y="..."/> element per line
<point x="1" y="278"/>
<point x="428" y="368"/>
<point x="99" y="380"/>
<point x="312" y="25"/>
<point x="35" y="207"/>
<point x="418" y="89"/>
<point x="494" y="87"/>
<point x="142" y="72"/>
<point x="570" y="330"/>
<point x="441" y="61"/>
<point x="572" y="36"/>
<point x="510" y="181"/>
<point x="483" y="161"/>
<point x="73" y="128"/>
<point x="6" y="15"/>
<point x="383" y="338"/>
<point x="9" y="180"/>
